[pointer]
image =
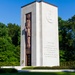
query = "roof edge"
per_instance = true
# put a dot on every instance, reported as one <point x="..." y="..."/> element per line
<point x="39" y="2"/>
<point x="28" y="4"/>
<point x="49" y="3"/>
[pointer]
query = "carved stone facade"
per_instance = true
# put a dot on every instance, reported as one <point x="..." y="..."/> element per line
<point x="39" y="34"/>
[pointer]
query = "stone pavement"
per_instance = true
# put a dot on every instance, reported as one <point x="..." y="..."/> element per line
<point x="19" y="68"/>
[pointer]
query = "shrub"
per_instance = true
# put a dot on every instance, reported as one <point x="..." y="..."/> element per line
<point x="68" y="63"/>
<point x="47" y="68"/>
<point x="9" y="63"/>
<point x="63" y="65"/>
<point x="28" y="67"/>
<point x="8" y="70"/>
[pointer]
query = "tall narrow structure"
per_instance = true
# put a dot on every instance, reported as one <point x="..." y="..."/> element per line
<point x="39" y="34"/>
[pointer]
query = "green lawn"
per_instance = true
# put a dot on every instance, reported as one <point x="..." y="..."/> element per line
<point x="41" y="73"/>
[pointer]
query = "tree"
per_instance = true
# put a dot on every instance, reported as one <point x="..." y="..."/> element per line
<point x="66" y="39"/>
<point x="9" y="43"/>
<point x="14" y="33"/>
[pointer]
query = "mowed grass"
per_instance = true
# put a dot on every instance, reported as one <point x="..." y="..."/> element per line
<point x="41" y="73"/>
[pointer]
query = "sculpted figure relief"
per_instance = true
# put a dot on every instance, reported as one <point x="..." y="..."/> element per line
<point x="28" y="23"/>
<point x="28" y="42"/>
<point x="28" y="32"/>
<point x="28" y="16"/>
<point x="28" y="29"/>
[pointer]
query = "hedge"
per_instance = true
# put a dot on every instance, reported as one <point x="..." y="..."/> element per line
<point x="63" y="65"/>
<point x="55" y="67"/>
<point x="68" y="63"/>
<point x="9" y="63"/>
<point x="8" y="70"/>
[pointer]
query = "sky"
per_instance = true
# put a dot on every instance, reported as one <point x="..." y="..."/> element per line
<point x="10" y="10"/>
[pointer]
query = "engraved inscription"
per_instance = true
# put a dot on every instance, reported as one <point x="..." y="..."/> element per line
<point x="50" y="50"/>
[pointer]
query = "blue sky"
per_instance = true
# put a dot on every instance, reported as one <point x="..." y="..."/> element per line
<point x="10" y="10"/>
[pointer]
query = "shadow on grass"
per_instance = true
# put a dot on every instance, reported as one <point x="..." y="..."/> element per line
<point x="48" y="73"/>
<point x="25" y="72"/>
<point x="31" y="73"/>
<point x="41" y="73"/>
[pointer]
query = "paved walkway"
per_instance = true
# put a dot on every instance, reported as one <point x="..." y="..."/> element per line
<point x="63" y="70"/>
<point x="19" y="68"/>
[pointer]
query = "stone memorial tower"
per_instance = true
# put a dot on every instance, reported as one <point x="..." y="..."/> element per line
<point x="39" y="34"/>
